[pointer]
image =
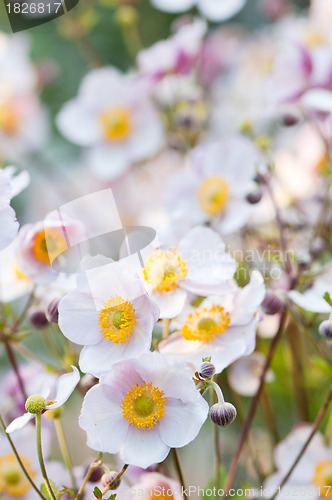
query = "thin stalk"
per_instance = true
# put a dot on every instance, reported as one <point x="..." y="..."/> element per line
<point x="18" y="458"/>
<point x="40" y="457"/>
<point x="13" y="362"/>
<point x="295" y="344"/>
<point x="64" y="450"/>
<point x="315" y="426"/>
<point x="166" y="323"/>
<point x="253" y="406"/>
<point x="269" y="414"/>
<point x="179" y="471"/>
<point x="116" y="479"/>
<point x="93" y="466"/>
<point x="217" y="455"/>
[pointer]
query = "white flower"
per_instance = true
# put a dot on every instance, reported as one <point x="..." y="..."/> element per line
<point x="113" y="117"/>
<point x="177" y="54"/>
<point x="313" y="299"/>
<point x="215" y="186"/>
<point x="199" y="264"/>
<point x="244" y="375"/>
<point x="13" y="282"/>
<point x="313" y="472"/>
<point x="142" y="408"/>
<point x="110" y="314"/>
<point x="154" y="485"/>
<point x="222" y="327"/>
<point x="64" y="387"/>
<point x="215" y="10"/>
<point x="10" y="186"/>
<point x="39" y="245"/>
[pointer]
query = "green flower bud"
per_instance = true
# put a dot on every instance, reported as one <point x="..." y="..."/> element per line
<point x="35" y="403"/>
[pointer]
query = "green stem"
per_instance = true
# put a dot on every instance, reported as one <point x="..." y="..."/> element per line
<point x="179" y="471"/>
<point x="20" y="461"/>
<point x="93" y="466"/>
<point x="40" y="457"/>
<point x="217" y="456"/>
<point x="166" y="324"/>
<point x="64" y="450"/>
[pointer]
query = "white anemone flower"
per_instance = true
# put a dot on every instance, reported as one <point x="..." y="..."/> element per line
<point x="215" y="185"/>
<point x="10" y="186"/>
<point x="244" y="375"/>
<point x="63" y="389"/>
<point x="153" y="485"/>
<point x="222" y="327"/>
<point x="142" y="408"/>
<point x="314" y="300"/>
<point x="110" y="314"/>
<point x="198" y="264"/>
<point x="311" y="476"/>
<point x="214" y="10"/>
<point x="115" y="119"/>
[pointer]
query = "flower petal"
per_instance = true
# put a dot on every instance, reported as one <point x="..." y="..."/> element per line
<point x="64" y="387"/>
<point x="19" y="422"/>
<point x="143" y="447"/>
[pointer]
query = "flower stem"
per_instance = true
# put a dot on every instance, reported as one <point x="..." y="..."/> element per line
<point x="19" y="460"/>
<point x="64" y="450"/>
<point x="217" y="455"/>
<point x="166" y="323"/>
<point x="179" y="471"/>
<point x="253" y="406"/>
<point x="217" y="390"/>
<point x="93" y="466"/>
<point x="116" y="479"/>
<point x="13" y="362"/>
<point x="315" y="426"/>
<point x="40" y="457"/>
<point x="269" y="414"/>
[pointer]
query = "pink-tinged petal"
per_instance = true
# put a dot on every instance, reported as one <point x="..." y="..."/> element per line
<point x="103" y="421"/>
<point x="78" y="318"/>
<point x="120" y="379"/>
<point x="310" y="301"/>
<point x="143" y="447"/>
<point x="183" y="421"/>
<point x="64" y="388"/>
<point x="19" y="422"/>
<point x="318" y="99"/>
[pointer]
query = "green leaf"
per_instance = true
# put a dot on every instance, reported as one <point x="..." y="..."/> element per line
<point x="112" y="497"/>
<point x="97" y="493"/>
<point x="45" y="492"/>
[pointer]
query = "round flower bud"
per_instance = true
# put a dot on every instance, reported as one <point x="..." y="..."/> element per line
<point x="55" y="413"/>
<point x="207" y="370"/>
<point x="289" y="120"/>
<point x="96" y="475"/>
<point x="108" y="478"/>
<point x="325" y="329"/>
<point x="35" y="403"/>
<point x="52" y="313"/>
<point x="254" y="197"/>
<point x="271" y="304"/>
<point x="37" y="318"/>
<point x="304" y="262"/>
<point x="223" y="414"/>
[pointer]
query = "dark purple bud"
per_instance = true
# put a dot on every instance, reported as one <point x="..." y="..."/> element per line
<point x="223" y="414"/>
<point x="254" y="197"/>
<point x="325" y="329"/>
<point x="52" y="312"/>
<point x="207" y="370"/>
<point x="37" y="318"/>
<point x="304" y="262"/>
<point x="272" y="304"/>
<point x="96" y="475"/>
<point x="289" y="120"/>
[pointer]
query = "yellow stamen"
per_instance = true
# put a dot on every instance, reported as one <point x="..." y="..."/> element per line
<point x="20" y="274"/>
<point x="323" y="477"/>
<point x="9" y="119"/>
<point x="205" y="324"/>
<point x="12" y="479"/>
<point x="164" y="270"/>
<point x="144" y="405"/>
<point x="116" y="123"/>
<point x="48" y="244"/>
<point x="117" y="320"/>
<point x="213" y="195"/>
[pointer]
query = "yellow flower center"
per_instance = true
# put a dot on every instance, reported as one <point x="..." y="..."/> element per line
<point x="20" y="275"/>
<point x="164" y="270"/>
<point x="205" y="324"/>
<point x="9" y="119"/>
<point x="116" y="123"/>
<point x="48" y="244"/>
<point x="213" y="195"/>
<point x="12" y="479"/>
<point x="161" y="494"/>
<point x="117" y="320"/>
<point x="323" y="477"/>
<point x="144" y="405"/>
